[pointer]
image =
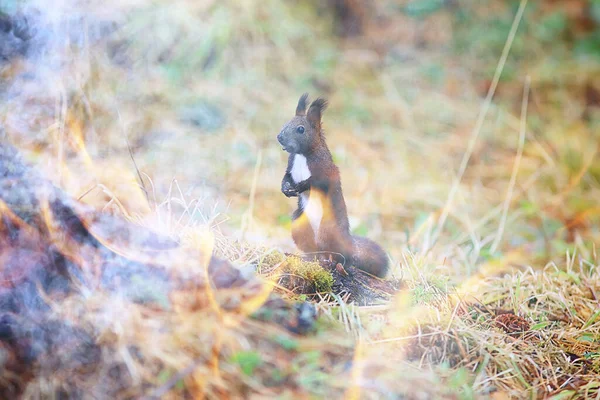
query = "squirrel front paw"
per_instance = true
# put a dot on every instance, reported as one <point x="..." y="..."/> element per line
<point x="288" y="189"/>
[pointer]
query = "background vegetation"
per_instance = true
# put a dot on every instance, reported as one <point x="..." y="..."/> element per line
<point x="478" y="195"/>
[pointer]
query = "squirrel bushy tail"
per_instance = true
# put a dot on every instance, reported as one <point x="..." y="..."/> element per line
<point x="369" y="256"/>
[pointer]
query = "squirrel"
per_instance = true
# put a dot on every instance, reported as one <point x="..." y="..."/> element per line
<point x="320" y="224"/>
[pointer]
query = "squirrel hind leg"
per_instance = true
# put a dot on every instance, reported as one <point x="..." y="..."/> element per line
<point x="302" y="234"/>
<point x="369" y="256"/>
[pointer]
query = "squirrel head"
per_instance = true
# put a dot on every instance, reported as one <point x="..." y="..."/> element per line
<point x="302" y="134"/>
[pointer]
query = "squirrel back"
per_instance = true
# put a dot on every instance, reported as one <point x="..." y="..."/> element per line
<point x="320" y="223"/>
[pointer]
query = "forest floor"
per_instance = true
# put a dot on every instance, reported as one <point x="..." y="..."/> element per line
<point x="466" y="135"/>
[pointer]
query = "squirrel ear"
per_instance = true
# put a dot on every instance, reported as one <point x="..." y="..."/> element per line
<point x="301" y="108"/>
<point x="315" y="111"/>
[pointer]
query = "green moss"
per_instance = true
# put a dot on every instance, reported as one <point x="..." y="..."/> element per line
<point x="271" y="260"/>
<point x="310" y="271"/>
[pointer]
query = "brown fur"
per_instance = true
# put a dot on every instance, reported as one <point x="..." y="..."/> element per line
<point x="303" y="135"/>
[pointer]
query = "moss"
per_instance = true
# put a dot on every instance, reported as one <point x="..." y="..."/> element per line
<point x="271" y="260"/>
<point x="310" y="271"/>
<point x="298" y="274"/>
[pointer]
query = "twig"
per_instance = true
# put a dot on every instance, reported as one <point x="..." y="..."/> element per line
<point x="249" y="216"/>
<point x="515" y="171"/>
<point x="137" y="170"/>
<point x="481" y="118"/>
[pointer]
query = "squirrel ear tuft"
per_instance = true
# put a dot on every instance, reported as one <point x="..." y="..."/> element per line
<point x="301" y="108"/>
<point x="315" y="112"/>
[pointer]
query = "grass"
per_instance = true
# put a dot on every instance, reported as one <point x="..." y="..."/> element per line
<point x="486" y="206"/>
<point x="552" y="356"/>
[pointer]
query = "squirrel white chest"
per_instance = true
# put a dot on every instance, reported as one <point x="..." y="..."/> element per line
<point x="300" y="171"/>
<point x="310" y="201"/>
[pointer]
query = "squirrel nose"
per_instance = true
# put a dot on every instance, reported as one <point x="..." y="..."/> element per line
<point x="279" y="137"/>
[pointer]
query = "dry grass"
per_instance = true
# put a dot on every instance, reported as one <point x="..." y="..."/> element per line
<point x="552" y="347"/>
<point x="200" y="88"/>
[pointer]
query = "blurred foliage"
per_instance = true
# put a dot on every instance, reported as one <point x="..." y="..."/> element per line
<point x="557" y="28"/>
<point x="422" y="8"/>
<point x="404" y="93"/>
<point x="248" y="361"/>
<point x="9" y="6"/>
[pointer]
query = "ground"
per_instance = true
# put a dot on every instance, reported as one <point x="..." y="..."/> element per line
<point x="466" y="134"/>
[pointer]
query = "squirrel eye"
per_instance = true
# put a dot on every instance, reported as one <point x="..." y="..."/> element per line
<point x="300" y="129"/>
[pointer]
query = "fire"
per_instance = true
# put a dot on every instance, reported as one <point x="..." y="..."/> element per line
<point x="77" y="138"/>
<point x="80" y="172"/>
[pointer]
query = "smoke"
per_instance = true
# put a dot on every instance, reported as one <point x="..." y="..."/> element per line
<point x="53" y="249"/>
<point x="45" y="59"/>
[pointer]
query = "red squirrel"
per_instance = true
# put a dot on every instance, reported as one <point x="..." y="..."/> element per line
<point x="320" y="224"/>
